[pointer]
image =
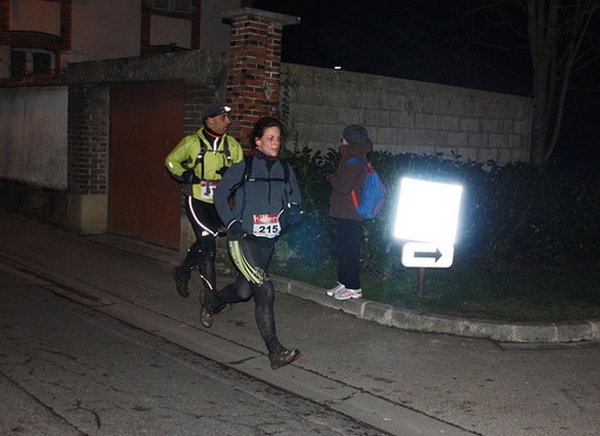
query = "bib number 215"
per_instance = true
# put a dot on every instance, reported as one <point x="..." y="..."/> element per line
<point x="266" y="225"/>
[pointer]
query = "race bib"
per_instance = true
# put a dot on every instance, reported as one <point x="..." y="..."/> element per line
<point x="266" y="225"/>
<point x="208" y="189"/>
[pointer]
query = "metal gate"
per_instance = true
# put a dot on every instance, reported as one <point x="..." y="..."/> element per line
<point x="146" y="122"/>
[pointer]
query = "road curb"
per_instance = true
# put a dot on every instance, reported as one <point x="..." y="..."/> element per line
<point x="407" y="319"/>
<point x="584" y="331"/>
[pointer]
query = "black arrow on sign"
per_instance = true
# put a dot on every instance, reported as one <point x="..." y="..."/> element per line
<point x="435" y="255"/>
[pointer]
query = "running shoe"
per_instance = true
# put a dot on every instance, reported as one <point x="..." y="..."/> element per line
<point x="180" y="283"/>
<point x="347" y="294"/>
<point x="205" y="315"/>
<point x="283" y="357"/>
<point x="338" y="288"/>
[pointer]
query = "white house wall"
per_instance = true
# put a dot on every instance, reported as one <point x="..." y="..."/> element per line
<point x="106" y="29"/>
<point x="33" y="133"/>
<point x="111" y="29"/>
<point x="167" y="30"/>
<point x="214" y="34"/>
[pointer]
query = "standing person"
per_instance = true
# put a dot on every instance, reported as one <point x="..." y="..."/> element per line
<point x="266" y="201"/>
<point x="198" y="162"/>
<point x="355" y="143"/>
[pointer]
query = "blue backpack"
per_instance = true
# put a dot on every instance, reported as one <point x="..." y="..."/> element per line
<point x="373" y="195"/>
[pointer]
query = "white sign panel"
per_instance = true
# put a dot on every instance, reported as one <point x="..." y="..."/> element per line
<point x="427" y="255"/>
<point x="427" y="211"/>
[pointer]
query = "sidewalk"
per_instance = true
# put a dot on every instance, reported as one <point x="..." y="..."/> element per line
<point x="403" y="382"/>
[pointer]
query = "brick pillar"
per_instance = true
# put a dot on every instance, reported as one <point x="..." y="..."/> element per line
<point x="66" y="24"/>
<point x="66" y="19"/>
<point x="196" y="17"/>
<point x="88" y="139"/>
<point x="254" y="67"/>
<point x="4" y="20"/>
<point x="4" y="47"/>
<point x="145" y="28"/>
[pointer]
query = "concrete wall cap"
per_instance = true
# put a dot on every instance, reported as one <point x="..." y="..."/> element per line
<point x="258" y="13"/>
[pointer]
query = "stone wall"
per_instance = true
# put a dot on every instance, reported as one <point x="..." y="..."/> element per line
<point x="33" y="123"/>
<point x="33" y="150"/>
<point x="404" y="116"/>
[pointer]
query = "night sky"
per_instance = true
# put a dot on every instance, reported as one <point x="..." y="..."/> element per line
<point x="434" y="41"/>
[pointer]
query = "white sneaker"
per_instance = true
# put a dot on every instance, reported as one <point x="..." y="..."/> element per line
<point x="346" y="294"/>
<point x="332" y="291"/>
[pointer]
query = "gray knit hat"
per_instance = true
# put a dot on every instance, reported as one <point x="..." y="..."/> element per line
<point x="355" y="134"/>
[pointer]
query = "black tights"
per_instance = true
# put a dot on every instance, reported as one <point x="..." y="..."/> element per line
<point x="258" y="253"/>
<point x="264" y="297"/>
<point x="205" y="222"/>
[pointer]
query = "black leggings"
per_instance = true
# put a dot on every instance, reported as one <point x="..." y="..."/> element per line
<point x="258" y="252"/>
<point x="206" y="222"/>
<point x="203" y="217"/>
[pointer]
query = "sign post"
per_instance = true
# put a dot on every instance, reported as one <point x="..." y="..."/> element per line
<point x="427" y="219"/>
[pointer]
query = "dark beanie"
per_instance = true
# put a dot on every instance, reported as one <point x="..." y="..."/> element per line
<point x="213" y="110"/>
<point x="355" y="134"/>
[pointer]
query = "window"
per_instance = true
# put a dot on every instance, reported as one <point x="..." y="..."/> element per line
<point x="42" y="63"/>
<point x="18" y="63"/>
<point x="23" y="62"/>
<point x="173" y="6"/>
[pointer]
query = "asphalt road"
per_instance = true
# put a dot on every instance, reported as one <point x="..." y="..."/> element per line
<point x="67" y="370"/>
<point x="405" y="383"/>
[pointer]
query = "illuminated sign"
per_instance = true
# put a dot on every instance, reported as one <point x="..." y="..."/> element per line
<point x="427" y="217"/>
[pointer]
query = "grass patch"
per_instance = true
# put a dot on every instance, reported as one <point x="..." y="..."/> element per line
<point x="513" y="294"/>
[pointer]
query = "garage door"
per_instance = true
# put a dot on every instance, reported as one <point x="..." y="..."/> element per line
<point x="146" y="122"/>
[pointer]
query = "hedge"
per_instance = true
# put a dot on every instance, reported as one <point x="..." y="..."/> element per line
<point x="511" y="214"/>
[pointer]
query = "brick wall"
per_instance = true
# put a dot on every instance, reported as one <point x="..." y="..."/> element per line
<point x="197" y="95"/>
<point x="88" y="140"/>
<point x="254" y="67"/>
<point x="18" y="39"/>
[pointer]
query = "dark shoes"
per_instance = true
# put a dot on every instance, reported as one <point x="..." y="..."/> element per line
<point x="283" y="357"/>
<point x="205" y="318"/>
<point x="205" y="312"/>
<point x="181" y="283"/>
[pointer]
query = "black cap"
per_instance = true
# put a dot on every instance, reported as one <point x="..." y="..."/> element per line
<point x="213" y="110"/>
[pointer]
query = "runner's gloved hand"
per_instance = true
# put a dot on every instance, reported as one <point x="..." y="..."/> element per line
<point x="235" y="231"/>
<point x="290" y="215"/>
<point x="221" y="171"/>
<point x="190" y="178"/>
